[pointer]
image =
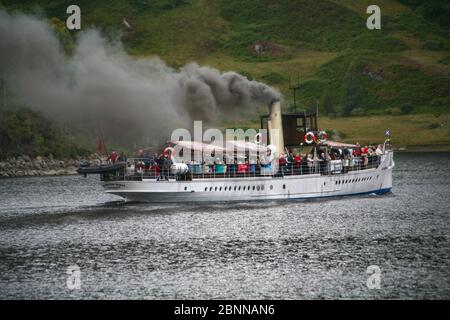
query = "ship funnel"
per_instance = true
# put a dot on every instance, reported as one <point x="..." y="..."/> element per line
<point x="275" y="126"/>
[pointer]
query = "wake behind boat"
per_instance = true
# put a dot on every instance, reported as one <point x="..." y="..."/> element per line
<point x="297" y="162"/>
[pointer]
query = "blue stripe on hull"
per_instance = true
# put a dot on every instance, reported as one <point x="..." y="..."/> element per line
<point x="379" y="192"/>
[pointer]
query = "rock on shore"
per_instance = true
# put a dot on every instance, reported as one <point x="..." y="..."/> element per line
<point x="25" y="166"/>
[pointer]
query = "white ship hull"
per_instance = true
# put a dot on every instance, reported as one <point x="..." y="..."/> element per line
<point x="376" y="180"/>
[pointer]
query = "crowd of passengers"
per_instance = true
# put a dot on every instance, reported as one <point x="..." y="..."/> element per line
<point x="294" y="162"/>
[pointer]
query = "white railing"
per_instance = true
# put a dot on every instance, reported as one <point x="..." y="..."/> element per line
<point x="198" y="171"/>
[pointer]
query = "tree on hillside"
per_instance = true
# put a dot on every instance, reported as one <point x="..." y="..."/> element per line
<point x="352" y="90"/>
<point x="327" y="105"/>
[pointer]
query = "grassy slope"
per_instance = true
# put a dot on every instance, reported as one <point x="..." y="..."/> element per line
<point x="315" y="39"/>
<point x="407" y="130"/>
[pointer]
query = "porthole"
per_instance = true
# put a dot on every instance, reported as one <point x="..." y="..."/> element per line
<point x="254" y="188"/>
<point x="262" y="188"/>
<point x="206" y="188"/>
<point x="185" y="188"/>
<point x="271" y="187"/>
<point x="284" y="186"/>
<point x="225" y="189"/>
<point x="243" y="188"/>
<point x="210" y="188"/>
<point x="235" y="187"/>
<point x="220" y="189"/>
<point x="248" y="188"/>
<point x="239" y="188"/>
<point x="258" y="188"/>
<point x="215" y="189"/>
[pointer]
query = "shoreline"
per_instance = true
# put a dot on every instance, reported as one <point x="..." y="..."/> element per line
<point x="40" y="166"/>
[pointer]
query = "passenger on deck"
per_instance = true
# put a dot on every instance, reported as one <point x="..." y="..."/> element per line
<point x="247" y="166"/>
<point x="139" y="167"/>
<point x="258" y="166"/>
<point x="113" y="157"/>
<point x="297" y="161"/>
<point x="167" y="163"/>
<point x="241" y="167"/>
<point x="122" y="157"/>
<point x="282" y="160"/>
<point x="379" y="150"/>
<point x="310" y="163"/>
<point x="290" y="157"/>
<point x="357" y="150"/>
<point x="364" y="151"/>
<point x="154" y="158"/>
<point x="219" y="167"/>
<point x="154" y="169"/>
<point x="160" y="161"/>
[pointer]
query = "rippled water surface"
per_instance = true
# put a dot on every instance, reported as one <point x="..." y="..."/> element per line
<point x="260" y="250"/>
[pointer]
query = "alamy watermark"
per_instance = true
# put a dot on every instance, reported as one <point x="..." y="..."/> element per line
<point x="73" y="281"/>
<point x="374" y="280"/>
<point x="374" y="21"/>
<point x="231" y="146"/>
<point x="73" y="22"/>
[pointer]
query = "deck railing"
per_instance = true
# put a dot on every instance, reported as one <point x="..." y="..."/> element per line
<point x="197" y="171"/>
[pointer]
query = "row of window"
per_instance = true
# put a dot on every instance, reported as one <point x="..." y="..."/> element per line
<point x="354" y="180"/>
<point x="261" y="187"/>
<point x="237" y="188"/>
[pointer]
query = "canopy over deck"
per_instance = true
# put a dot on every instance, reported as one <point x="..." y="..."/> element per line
<point x="338" y="145"/>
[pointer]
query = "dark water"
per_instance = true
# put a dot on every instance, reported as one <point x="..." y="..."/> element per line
<point x="270" y="250"/>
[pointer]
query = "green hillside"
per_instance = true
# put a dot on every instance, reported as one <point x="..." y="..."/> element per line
<point x="346" y="69"/>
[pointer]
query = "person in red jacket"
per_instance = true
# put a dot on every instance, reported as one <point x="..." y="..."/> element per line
<point x="357" y="150"/>
<point x="297" y="161"/>
<point x="113" y="157"/>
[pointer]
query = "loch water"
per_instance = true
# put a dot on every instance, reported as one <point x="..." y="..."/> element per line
<point x="316" y="249"/>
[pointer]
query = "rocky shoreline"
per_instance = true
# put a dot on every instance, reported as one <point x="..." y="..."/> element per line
<point x="25" y="166"/>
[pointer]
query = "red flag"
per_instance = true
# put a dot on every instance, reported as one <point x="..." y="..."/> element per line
<point x="100" y="146"/>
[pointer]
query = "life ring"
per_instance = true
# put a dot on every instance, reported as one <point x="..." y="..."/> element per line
<point x="309" y="137"/>
<point x="322" y="136"/>
<point x="258" y="138"/>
